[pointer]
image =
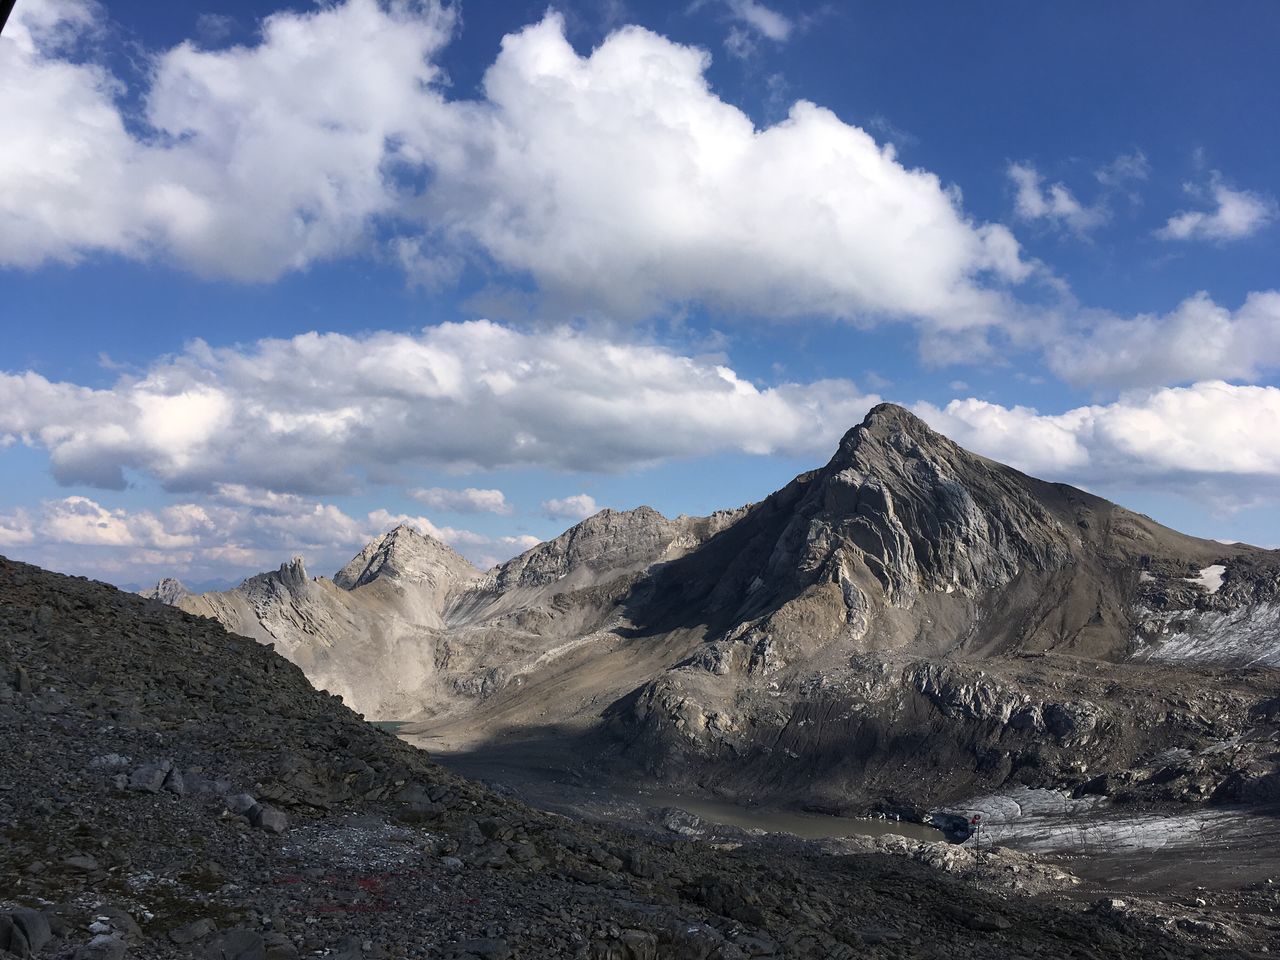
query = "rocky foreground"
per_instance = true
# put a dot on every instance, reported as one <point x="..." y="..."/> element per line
<point x="168" y="789"/>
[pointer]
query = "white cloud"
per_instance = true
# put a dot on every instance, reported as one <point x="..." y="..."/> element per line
<point x="214" y="28"/>
<point x="617" y="181"/>
<point x="16" y="529"/>
<point x="576" y="507"/>
<point x="1055" y="203"/>
<point x="1125" y="169"/>
<point x="621" y="181"/>
<point x="64" y="167"/>
<point x="311" y="413"/>
<point x="469" y="500"/>
<point x="1168" y="439"/>
<point x="762" y="19"/>
<point x="1197" y="340"/>
<point x="233" y="533"/>
<point x="258" y="159"/>
<point x="1236" y="214"/>
<point x="752" y="20"/>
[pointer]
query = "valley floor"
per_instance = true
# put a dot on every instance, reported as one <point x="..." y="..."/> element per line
<point x="1208" y="873"/>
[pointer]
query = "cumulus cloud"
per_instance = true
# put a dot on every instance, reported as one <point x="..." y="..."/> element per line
<point x="620" y="180"/>
<point x="469" y="500"/>
<point x="577" y="507"/>
<point x="1168" y="439"/>
<point x="617" y="181"/>
<point x="257" y="160"/>
<point x="229" y="534"/>
<point x="1197" y="340"/>
<point x="314" y="413"/>
<point x="16" y="529"/>
<point x="1033" y="200"/>
<point x="1236" y="214"/>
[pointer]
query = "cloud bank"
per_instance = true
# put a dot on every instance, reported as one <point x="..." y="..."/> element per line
<point x="1213" y="439"/>
<point x="327" y="413"/>
<point x="231" y="531"/>
<point x="1197" y="340"/>
<point x="315" y="413"/>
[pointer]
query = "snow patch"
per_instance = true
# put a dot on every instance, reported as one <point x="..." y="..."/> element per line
<point x="1210" y="577"/>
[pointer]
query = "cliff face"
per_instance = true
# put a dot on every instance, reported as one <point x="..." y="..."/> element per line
<point x="903" y="556"/>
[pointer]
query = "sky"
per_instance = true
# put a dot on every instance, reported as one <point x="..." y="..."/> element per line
<point x="275" y="278"/>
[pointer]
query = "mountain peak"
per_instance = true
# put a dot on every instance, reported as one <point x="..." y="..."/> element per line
<point x="167" y="590"/>
<point x="404" y="554"/>
<point x="611" y="540"/>
<point x="891" y="414"/>
<point x="888" y="424"/>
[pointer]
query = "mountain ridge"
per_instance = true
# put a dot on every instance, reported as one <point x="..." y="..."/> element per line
<point x="689" y="637"/>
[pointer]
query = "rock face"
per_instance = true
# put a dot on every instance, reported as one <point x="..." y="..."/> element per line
<point x="888" y="600"/>
<point x="169" y="590"/>
<point x="371" y="635"/>
<point x="604" y="547"/>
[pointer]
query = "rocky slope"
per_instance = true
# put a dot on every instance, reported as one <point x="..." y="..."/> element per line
<point x="371" y="635"/>
<point x="170" y="790"/>
<point x="908" y="609"/>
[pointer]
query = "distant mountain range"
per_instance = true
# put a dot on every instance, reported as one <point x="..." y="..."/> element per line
<point x="908" y="596"/>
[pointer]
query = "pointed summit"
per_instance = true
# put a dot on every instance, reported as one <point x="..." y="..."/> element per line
<point x="884" y="416"/>
<point x="405" y="555"/>
<point x="888" y="423"/>
<point x="168" y="590"/>
<point x="294" y="572"/>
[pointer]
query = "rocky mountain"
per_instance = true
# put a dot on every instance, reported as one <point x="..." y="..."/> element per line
<point x="168" y="590"/>
<point x="371" y="635"/>
<point x="407" y="558"/>
<point x="908" y="599"/>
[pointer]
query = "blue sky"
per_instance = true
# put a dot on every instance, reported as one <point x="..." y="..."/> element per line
<point x="274" y="277"/>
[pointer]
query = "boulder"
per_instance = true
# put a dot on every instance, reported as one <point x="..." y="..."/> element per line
<point x="150" y="777"/>
<point x="241" y="804"/>
<point x="236" y="944"/>
<point x="191" y="932"/>
<point x="105" y="946"/>
<point x="269" y="819"/>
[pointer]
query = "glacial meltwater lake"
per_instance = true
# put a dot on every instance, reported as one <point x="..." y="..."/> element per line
<point x="540" y="776"/>
<point x="809" y="826"/>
